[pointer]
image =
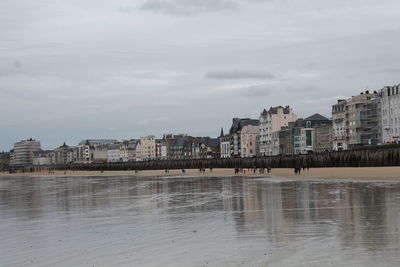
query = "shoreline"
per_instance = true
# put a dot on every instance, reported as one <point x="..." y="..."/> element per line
<point x="347" y="173"/>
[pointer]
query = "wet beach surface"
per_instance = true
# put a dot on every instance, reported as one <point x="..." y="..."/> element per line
<point x="197" y="221"/>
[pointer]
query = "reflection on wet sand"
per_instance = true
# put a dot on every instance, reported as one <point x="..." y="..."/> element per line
<point x="105" y="221"/>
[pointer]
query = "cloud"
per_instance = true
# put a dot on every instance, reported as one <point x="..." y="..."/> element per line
<point x="255" y="91"/>
<point x="187" y="7"/>
<point x="238" y="74"/>
<point x="303" y="89"/>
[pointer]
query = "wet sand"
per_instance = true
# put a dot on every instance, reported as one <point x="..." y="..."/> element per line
<point x="198" y="221"/>
<point x="364" y="173"/>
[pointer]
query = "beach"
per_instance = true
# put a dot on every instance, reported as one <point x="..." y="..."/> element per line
<point x="362" y="173"/>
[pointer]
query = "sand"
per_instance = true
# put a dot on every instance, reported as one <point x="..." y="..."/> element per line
<point x="365" y="173"/>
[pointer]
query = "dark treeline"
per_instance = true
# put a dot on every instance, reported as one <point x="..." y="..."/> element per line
<point x="366" y="157"/>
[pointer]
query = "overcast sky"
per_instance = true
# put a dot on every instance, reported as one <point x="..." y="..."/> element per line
<point x="77" y="69"/>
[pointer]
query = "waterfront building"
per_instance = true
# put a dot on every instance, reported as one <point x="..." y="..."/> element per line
<point x="359" y="128"/>
<point x="169" y="141"/>
<point x="181" y="148"/>
<point x="85" y="151"/>
<point x="307" y="132"/>
<point x="41" y="157"/>
<point x="100" y="153"/>
<point x="148" y="145"/>
<point x="271" y="122"/>
<point x="286" y="140"/>
<point x="390" y="113"/>
<point x="23" y="152"/>
<point x="225" y="145"/>
<point x="340" y="136"/>
<point x="161" y="149"/>
<point x="249" y="141"/>
<point x="235" y="134"/>
<point x="127" y="150"/>
<point x="323" y="138"/>
<point x="60" y="155"/>
<point x="357" y="121"/>
<point x="205" y="147"/>
<point x="4" y="160"/>
<point x="138" y="151"/>
<point x="113" y="153"/>
<point x="124" y="151"/>
<point x="299" y="137"/>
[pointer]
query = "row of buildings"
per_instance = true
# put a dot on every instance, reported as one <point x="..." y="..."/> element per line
<point x="181" y="146"/>
<point x="370" y="118"/>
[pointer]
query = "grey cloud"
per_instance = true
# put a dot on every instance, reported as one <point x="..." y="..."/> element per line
<point x="303" y="89"/>
<point x="187" y="7"/>
<point x="255" y="91"/>
<point x="238" y="74"/>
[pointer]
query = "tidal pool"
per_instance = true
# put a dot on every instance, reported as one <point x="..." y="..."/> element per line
<point x="197" y="221"/>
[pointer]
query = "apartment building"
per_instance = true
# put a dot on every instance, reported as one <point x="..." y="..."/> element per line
<point x="23" y="152"/>
<point x="390" y="113"/>
<point x="271" y="122"/>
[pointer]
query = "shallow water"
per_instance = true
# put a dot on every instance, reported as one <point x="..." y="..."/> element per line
<point x="197" y="221"/>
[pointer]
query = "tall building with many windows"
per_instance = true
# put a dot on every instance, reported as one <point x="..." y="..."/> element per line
<point x="357" y="121"/>
<point x="23" y="152"/>
<point x="271" y="122"/>
<point x="235" y="134"/>
<point x="390" y="113"/>
<point x="148" y="144"/>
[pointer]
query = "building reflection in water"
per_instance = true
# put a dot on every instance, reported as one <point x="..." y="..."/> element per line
<point x="357" y="215"/>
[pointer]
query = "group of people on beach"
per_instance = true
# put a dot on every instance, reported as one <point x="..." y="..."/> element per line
<point x="297" y="170"/>
<point x="254" y="169"/>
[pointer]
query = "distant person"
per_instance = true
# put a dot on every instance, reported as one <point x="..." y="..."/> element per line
<point x="183" y="171"/>
<point x="269" y="169"/>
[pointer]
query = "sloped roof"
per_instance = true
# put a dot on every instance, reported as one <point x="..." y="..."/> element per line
<point x="238" y="124"/>
<point x="316" y="117"/>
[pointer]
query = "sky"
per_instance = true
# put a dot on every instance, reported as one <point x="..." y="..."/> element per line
<point x="77" y="69"/>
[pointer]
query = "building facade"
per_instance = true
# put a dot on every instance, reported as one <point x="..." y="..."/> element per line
<point x="235" y="135"/>
<point x="357" y="121"/>
<point x="390" y="114"/>
<point x="323" y="138"/>
<point x="340" y="138"/>
<point x="271" y="122"/>
<point x="23" y="152"/>
<point x="148" y="145"/>
<point x="249" y="140"/>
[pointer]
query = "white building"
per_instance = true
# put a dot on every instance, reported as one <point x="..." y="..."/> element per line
<point x="339" y="128"/>
<point x="271" y="122"/>
<point x="113" y="153"/>
<point x="390" y="113"/>
<point x="23" y="152"/>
